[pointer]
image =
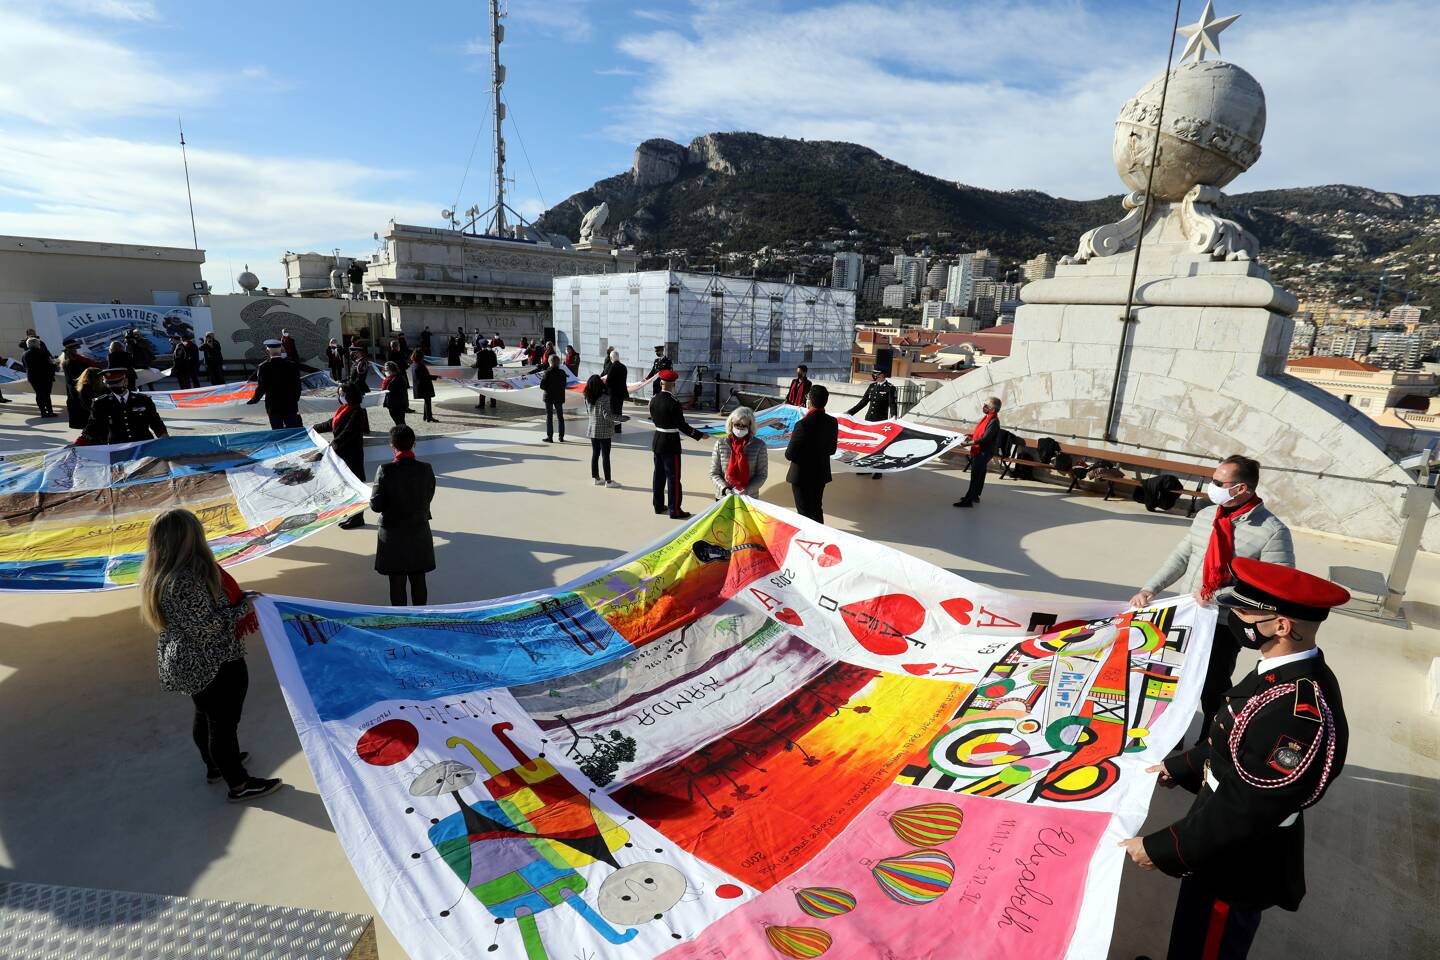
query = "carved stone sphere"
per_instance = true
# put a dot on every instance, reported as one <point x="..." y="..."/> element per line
<point x="248" y="281"/>
<point x="1214" y="120"/>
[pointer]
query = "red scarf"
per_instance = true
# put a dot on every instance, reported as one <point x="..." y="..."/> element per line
<point x="737" y="472"/>
<point x="386" y="382"/>
<point x="235" y="596"/>
<point x="340" y="414"/>
<point x="403" y="455"/>
<point x="980" y="432"/>
<point x="1216" y="572"/>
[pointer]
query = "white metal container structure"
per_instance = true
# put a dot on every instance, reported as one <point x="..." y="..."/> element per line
<point x="734" y="328"/>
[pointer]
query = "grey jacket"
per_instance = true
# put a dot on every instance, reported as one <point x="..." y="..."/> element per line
<point x="1259" y="535"/>
<point x="600" y="419"/>
<point x="755" y="453"/>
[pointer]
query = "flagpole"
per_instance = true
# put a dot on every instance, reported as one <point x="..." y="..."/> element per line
<point x="194" y="237"/>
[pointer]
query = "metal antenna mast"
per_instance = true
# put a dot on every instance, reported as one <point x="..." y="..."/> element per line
<point x="497" y="81"/>
<point x="195" y="237"/>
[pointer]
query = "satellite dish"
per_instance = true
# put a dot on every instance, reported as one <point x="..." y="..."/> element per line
<point x="446" y="214"/>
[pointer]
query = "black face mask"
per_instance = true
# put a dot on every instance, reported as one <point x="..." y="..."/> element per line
<point x="1245" y="633"/>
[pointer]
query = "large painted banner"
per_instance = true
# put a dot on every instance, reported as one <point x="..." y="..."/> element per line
<point x="525" y="391"/>
<point x="76" y="518"/>
<point x="758" y="737"/>
<point x="884" y="446"/>
<point x="317" y="395"/>
<point x="95" y="325"/>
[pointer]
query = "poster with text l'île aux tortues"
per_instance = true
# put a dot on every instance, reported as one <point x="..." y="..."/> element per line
<point x="757" y="737"/>
<point x="97" y="325"/>
<point x="78" y="517"/>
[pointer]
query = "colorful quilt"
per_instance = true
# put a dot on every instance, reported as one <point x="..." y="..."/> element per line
<point x="756" y="738"/>
<point x="884" y="446"/>
<point x="76" y="518"/>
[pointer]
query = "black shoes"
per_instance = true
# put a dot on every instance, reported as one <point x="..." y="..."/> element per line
<point x="682" y="515"/>
<point x="874" y="476"/>
<point x="253" y="789"/>
<point x="967" y="502"/>
<point x="549" y="440"/>
<point x="213" y="774"/>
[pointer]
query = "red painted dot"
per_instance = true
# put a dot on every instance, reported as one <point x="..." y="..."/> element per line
<point x="728" y="891"/>
<point x="388" y="743"/>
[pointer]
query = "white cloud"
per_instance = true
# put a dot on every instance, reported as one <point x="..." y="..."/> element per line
<point x="246" y="206"/>
<point x="563" y="19"/>
<point x="54" y="74"/>
<point x="1024" y="95"/>
<point x="135" y="10"/>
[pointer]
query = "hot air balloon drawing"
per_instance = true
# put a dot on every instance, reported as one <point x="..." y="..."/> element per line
<point x="915" y="879"/>
<point x="927" y="825"/>
<point x="801" y="943"/>
<point x="825" y="902"/>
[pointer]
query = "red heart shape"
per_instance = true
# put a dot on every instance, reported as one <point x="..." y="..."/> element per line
<point x="881" y="623"/>
<point x="829" y="556"/>
<point x="919" y="669"/>
<point x="786" y="615"/>
<point x="959" y="608"/>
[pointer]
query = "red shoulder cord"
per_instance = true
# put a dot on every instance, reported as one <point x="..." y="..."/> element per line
<point x="1327" y="734"/>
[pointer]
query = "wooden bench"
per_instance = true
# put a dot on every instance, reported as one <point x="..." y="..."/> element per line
<point x="1136" y="462"/>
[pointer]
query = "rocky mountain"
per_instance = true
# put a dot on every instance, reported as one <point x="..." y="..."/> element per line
<point x="742" y="201"/>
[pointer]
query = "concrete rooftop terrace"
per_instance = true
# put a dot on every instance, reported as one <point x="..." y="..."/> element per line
<point x="101" y="786"/>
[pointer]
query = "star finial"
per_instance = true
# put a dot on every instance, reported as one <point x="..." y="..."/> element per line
<point x="1204" y="35"/>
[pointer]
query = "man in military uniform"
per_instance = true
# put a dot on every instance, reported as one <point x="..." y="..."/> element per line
<point x="277" y="382"/>
<point x="880" y="400"/>
<point x="123" y="415"/>
<point x="669" y="422"/>
<point x="1275" y="746"/>
<point x="186" y="361"/>
<point x="662" y="362"/>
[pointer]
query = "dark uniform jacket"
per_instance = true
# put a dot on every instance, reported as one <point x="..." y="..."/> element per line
<point x="485" y="363"/>
<point x="812" y="444"/>
<point x="662" y="362"/>
<point x="214" y="358"/>
<point x="277" y="382"/>
<point x="616" y="373"/>
<point x="882" y="400"/>
<point x="360" y="374"/>
<point x="113" y="420"/>
<point x="401" y="496"/>
<point x="186" y="360"/>
<point x="669" y="422"/>
<point x="349" y="441"/>
<point x="1273" y="748"/>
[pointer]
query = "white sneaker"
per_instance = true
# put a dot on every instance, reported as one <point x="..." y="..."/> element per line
<point x="597" y="481"/>
<point x="611" y="483"/>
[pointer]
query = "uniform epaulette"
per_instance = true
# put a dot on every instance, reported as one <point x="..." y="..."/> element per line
<point x="1307" y="701"/>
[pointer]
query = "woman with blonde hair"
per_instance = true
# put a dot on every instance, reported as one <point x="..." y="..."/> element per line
<point x="739" y="462"/>
<point x="201" y="614"/>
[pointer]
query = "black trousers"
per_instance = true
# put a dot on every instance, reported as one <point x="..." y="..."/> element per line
<point x="617" y="409"/>
<point x="665" y="484"/>
<point x="600" y="454"/>
<point x="808" y="499"/>
<point x="554" y="411"/>
<point x="1208" y="928"/>
<point x="281" y="420"/>
<point x="42" y="399"/>
<point x="419" y="594"/>
<point x="429" y="414"/>
<point x="979" y="466"/>
<point x="1224" y="651"/>
<point x="397" y="415"/>
<point x="217" y="722"/>
<point x="217" y="375"/>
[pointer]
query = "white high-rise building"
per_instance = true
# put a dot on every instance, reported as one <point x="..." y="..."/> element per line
<point x="960" y="282"/>
<point x="985" y="265"/>
<point x="935" y="276"/>
<point x="847" y="271"/>
<point x="893" y="297"/>
<point x="910" y="273"/>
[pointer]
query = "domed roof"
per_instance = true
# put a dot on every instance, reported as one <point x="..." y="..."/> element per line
<point x="248" y="281"/>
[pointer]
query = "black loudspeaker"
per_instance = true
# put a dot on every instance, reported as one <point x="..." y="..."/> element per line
<point x="549" y="335"/>
<point x="884" y="360"/>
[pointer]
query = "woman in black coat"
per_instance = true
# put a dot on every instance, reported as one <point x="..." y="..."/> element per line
<point x="349" y="425"/>
<point x="401" y="496"/>
<point x="396" y="389"/>
<point x="423" y="383"/>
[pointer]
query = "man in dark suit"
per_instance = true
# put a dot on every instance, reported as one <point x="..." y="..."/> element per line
<point x="401" y="495"/>
<point x="812" y="444"/>
<point x="123" y="415"/>
<point x="984" y="441"/>
<point x="662" y="363"/>
<point x="669" y="422"/>
<point x="40" y="371"/>
<point x="881" y="402"/>
<point x="186" y="361"/>
<point x="615" y="374"/>
<point x="485" y="364"/>
<point x="795" y="396"/>
<point x="277" y="382"/>
<point x="1275" y="745"/>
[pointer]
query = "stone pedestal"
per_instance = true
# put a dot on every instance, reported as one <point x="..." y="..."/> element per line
<point x="1203" y="378"/>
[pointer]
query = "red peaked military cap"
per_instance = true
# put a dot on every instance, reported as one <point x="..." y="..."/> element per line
<point x="1280" y="589"/>
<point x="669" y="375"/>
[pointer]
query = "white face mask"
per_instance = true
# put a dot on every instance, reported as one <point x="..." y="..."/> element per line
<point x="741" y="431"/>
<point x="1218" y="495"/>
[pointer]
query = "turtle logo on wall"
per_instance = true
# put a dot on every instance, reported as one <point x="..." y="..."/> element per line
<point x="262" y="323"/>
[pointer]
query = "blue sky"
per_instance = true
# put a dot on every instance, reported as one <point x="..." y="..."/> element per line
<point x="310" y="125"/>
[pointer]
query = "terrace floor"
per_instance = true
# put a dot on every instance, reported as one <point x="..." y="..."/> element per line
<point x="101" y="786"/>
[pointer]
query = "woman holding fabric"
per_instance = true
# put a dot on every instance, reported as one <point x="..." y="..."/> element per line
<point x="396" y="389"/>
<point x="201" y="615"/>
<point x="423" y="382"/>
<point x="401" y="496"/>
<point x="349" y="425"/>
<point x="739" y="463"/>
